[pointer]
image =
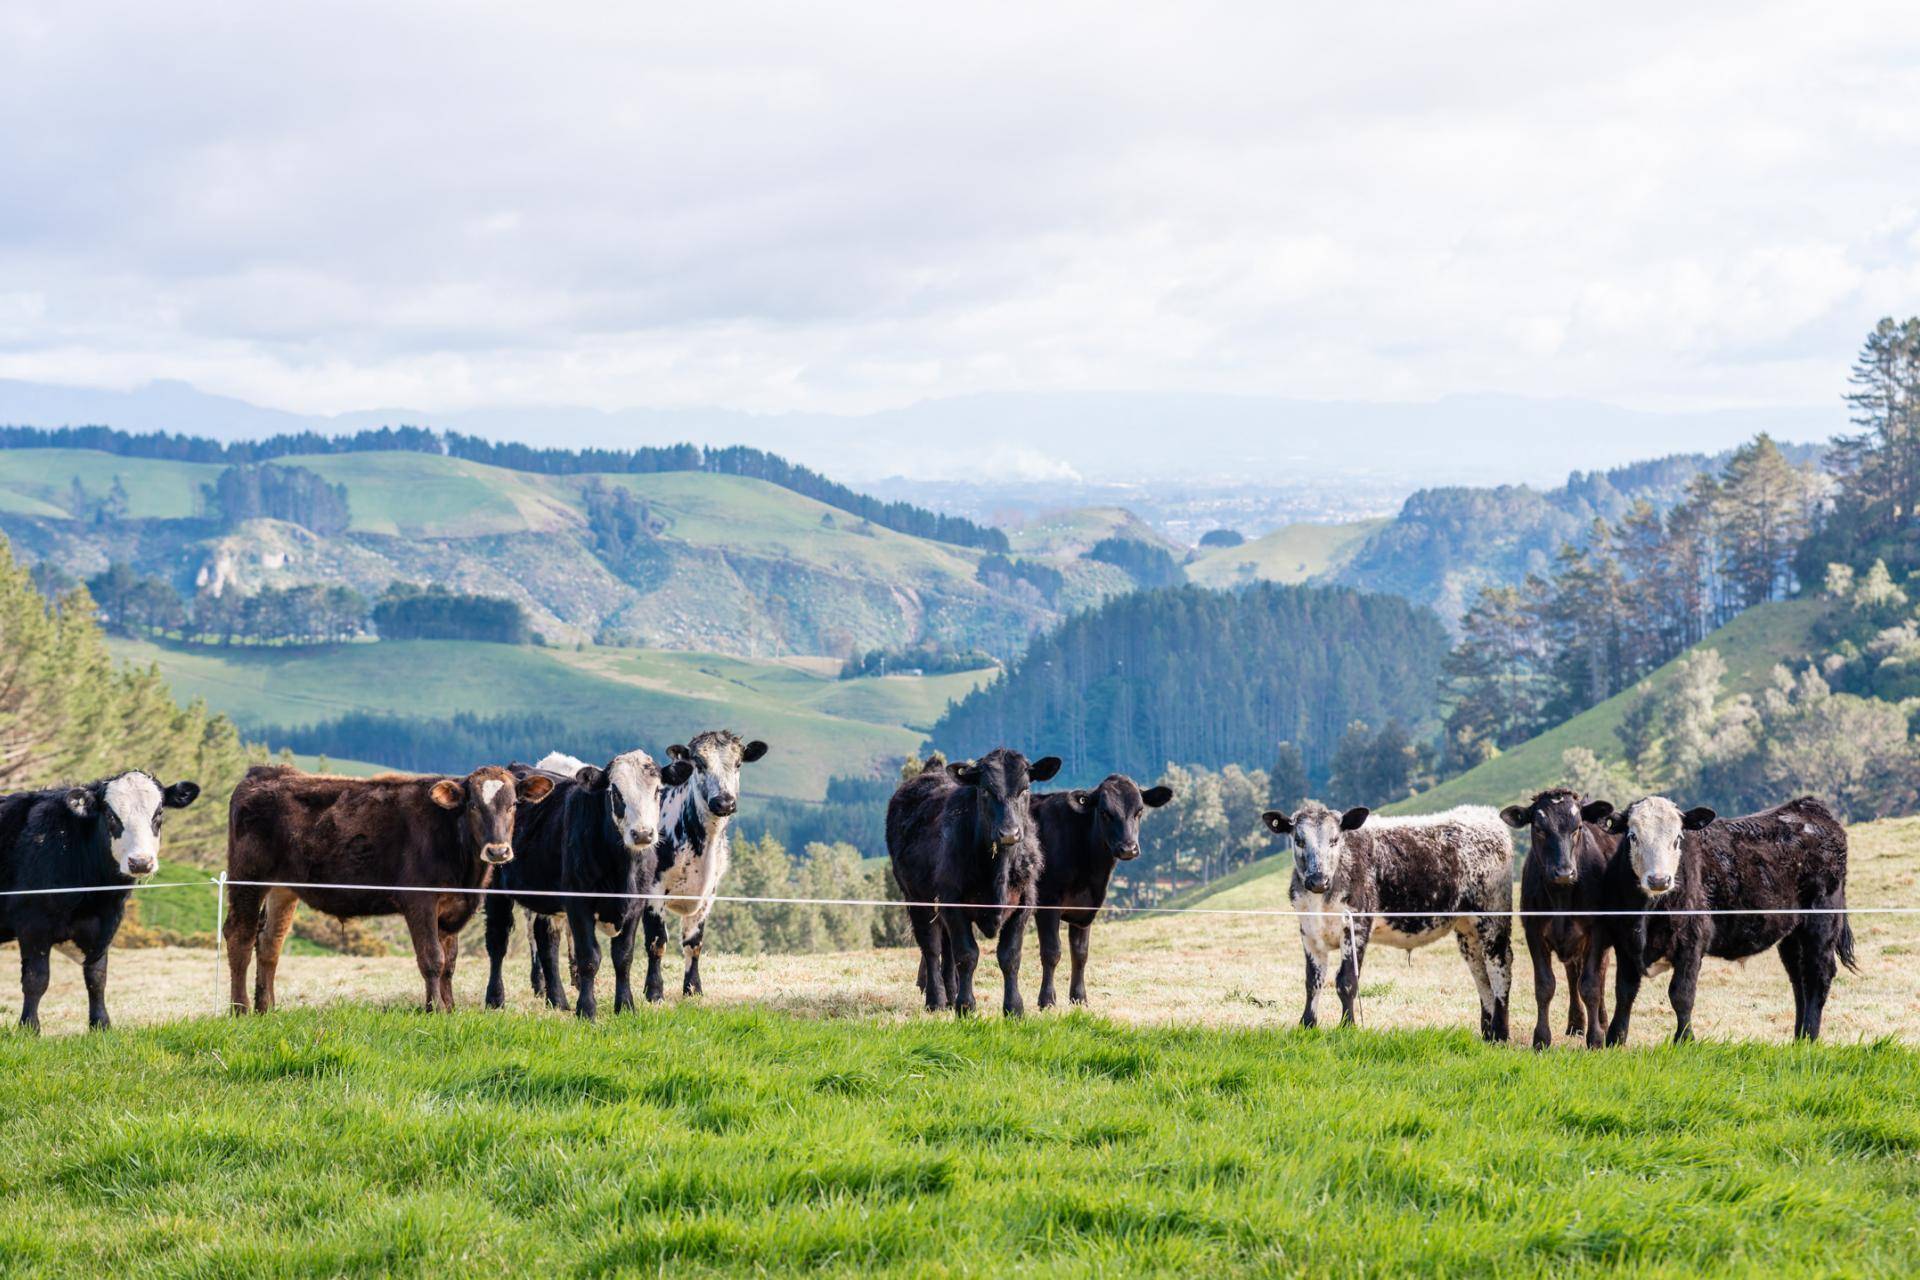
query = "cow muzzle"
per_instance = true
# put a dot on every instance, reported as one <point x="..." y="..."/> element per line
<point x="641" y="840"/>
<point x="723" y="806"/>
<point x="1657" y="885"/>
<point x="1127" y="852"/>
<point x="1318" y="883"/>
<point x="142" y="866"/>
<point x="1563" y="877"/>
<point x="495" y="854"/>
<point x="1006" y="839"/>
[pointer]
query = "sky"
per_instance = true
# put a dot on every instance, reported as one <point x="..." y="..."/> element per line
<point x="848" y="208"/>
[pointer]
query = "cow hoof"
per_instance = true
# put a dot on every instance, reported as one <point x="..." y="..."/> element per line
<point x="1541" y="1040"/>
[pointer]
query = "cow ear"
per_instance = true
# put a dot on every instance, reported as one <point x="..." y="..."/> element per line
<point x="448" y="793"/>
<point x="1352" y="819"/>
<point x="1694" y="819"/>
<point x="754" y="751"/>
<point x="1277" y="822"/>
<point x="180" y="795"/>
<point x="678" y="752"/>
<point x="1517" y="816"/>
<point x="1043" y="768"/>
<point x="1595" y="811"/>
<point x="79" y="802"/>
<point x="1617" y="824"/>
<point x="1154" y="797"/>
<point x="590" y="777"/>
<point x="535" y="789"/>
<point x="1078" y="800"/>
<point x="676" y="772"/>
<point x="965" y="770"/>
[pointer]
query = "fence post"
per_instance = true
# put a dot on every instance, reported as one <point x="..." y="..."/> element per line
<point x="219" y="934"/>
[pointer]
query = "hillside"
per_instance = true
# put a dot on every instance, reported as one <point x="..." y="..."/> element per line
<point x="818" y="725"/>
<point x="1292" y="553"/>
<point x="1751" y="645"/>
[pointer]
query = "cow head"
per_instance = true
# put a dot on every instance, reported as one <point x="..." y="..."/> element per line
<point x="1116" y="807"/>
<point x="1555" y="817"/>
<point x="129" y="809"/>
<point x="1002" y="780"/>
<point x="716" y="757"/>
<point x="631" y="784"/>
<point x="1319" y="838"/>
<point x="485" y="800"/>
<point x="1653" y="828"/>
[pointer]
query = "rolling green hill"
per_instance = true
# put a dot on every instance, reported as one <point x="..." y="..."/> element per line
<point x="818" y="725"/>
<point x="1292" y="553"/>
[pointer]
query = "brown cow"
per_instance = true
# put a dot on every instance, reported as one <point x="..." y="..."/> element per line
<point x="305" y="828"/>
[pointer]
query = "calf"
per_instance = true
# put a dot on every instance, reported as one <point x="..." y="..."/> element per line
<point x="598" y="835"/>
<point x="692" y="853"/>
<point x="104" y="836"/>
<point x="1788" y="859"/>
<point x="1564" y="871"/>
<point x="1083" y="836"/>
<point x="964" y="836"/>
<point x="1405" y="882"/>
<point x="431" y="837"/>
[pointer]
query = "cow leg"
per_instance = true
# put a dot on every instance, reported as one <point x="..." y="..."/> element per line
<point x="536" y="955"/>
<point x="94" y="970"/>
<point x="423" y="927"/>
<point x="1013" y="937"/>
<point x="1626" y="988"/>
<point x="654" y="925"/>
<point x="1542" y="958"/>
<point x="1680" y="992"/>
<point x="500" y="932"/>
<point x="1496" y="946"/>
<point x="586" y="956"/>
<point x="35" y="955"/>
<point x="1818" y="965"/>
<point x="933" y="976"/>
<point x="546" y="948"/>
<point x="1079" y="936"/>
<point x="1790" y="959"/>
<point x="1347" y="981"/>
<point x="1593" y="991"/>
<point x="242" y="927"/>
<point x="1576" y="1011"/>
<point x="964" y="953"/>
<point x="449" y="955"/>
<point x="1316" y="978"/>
<point x="623" y="963"/>
<point x="1046" y="925"/>
<point x="275" y="924"/>
<point x="693" y="932"/>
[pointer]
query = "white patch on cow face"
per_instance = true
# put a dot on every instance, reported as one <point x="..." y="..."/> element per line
<point x="1653" y="844"/>
<point x="489" y="789"/>
<point x="716" y="778"/>
<point x="633" y="786"/>
<point x="1320" y="845"/>
<point x="133" y="823"/>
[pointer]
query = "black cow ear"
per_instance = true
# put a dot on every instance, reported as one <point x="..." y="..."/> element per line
<point x="1277" y="822"/>
<point x="676" y="772"/>
<point x="535" y="789"/>
<point x="1617" y="824"/>
<point x="1353" y="818"/>
<point x="80" y="802"/>
<point x="754" y="751"/>
<point x="449" y="793"/>
<point x="180" y="795"/>
<point x="1694" y="819"/>
<point x="1517" y="816"/>
<point x="591" y="777"/>
<point x="1595" y="811"/>
<point x="1154" y="797"/>
<point x="965" y="770"/>
<point x="1078" y="800"/>
<point x="678" y="752"/>
<point x="1043" y="768"/>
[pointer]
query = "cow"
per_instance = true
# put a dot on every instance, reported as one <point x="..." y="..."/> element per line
<point x="597" y="835"/>
<point x="1405" y="882"/>
<point x="1083" y="836"/>
<point x="1564" y="872"/>
<point x="431" y="836"/>
<point x="693" y="850"/>
<point x="964" y="838"/>
<point x="104" y="836"/>
<point x="1784" y="868"/>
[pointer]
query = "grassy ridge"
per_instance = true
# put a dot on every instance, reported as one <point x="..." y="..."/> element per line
<point x="1293" y="553"/>
<point x="697" y="1141"/>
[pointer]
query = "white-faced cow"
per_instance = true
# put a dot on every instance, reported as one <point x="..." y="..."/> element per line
<point x="412" y="842"/>
<point x="1083" y="836"/>
<point x="596" y="835"/>
<point x="1405" y="882"/>
<point x="963" y="837"/>
<point x="1769" y="867"/>
<point x="1564" y="872"/>
<point x="105" y="835"/>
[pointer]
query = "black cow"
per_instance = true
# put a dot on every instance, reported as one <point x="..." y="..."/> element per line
<point x="105" y="835"/>
<point x="1405" y="882"/>
<point x="1565" y="871"/>
<point x="965" y="836"/>
<point x="1083" y="836"/>
<point x="596" y="835"/>
<point x="1788" y="859"/>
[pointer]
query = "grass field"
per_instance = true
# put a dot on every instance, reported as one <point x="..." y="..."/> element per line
<point x="1751" y="646"/>
<point x="818" y="724"/>
<point x="37" y="482"/>
<point x="1293" y="553"/>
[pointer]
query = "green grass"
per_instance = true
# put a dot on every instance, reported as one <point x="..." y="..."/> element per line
<point x="1751" y="645"/>
<point x="817" y="724"/>
<point x="1292" y="553"/>
<point x="696" y="1141"/>
<point x="36" y="482"/>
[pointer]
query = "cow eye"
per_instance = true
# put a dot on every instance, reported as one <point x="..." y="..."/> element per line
<point x="114" y="826"/>
<point x="156" y="820"/>
<point x="619" y="804"/>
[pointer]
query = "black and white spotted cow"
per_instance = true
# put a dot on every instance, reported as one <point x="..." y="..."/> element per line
<point x="692" y="853"/>
<point x="1404" y="882"/>
<point x="104" y="836"/>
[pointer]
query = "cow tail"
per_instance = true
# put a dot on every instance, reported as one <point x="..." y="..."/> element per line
<point x="1846" y="944"/>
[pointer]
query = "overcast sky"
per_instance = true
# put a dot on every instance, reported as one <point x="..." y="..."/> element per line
<point x="803" y="206"/>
